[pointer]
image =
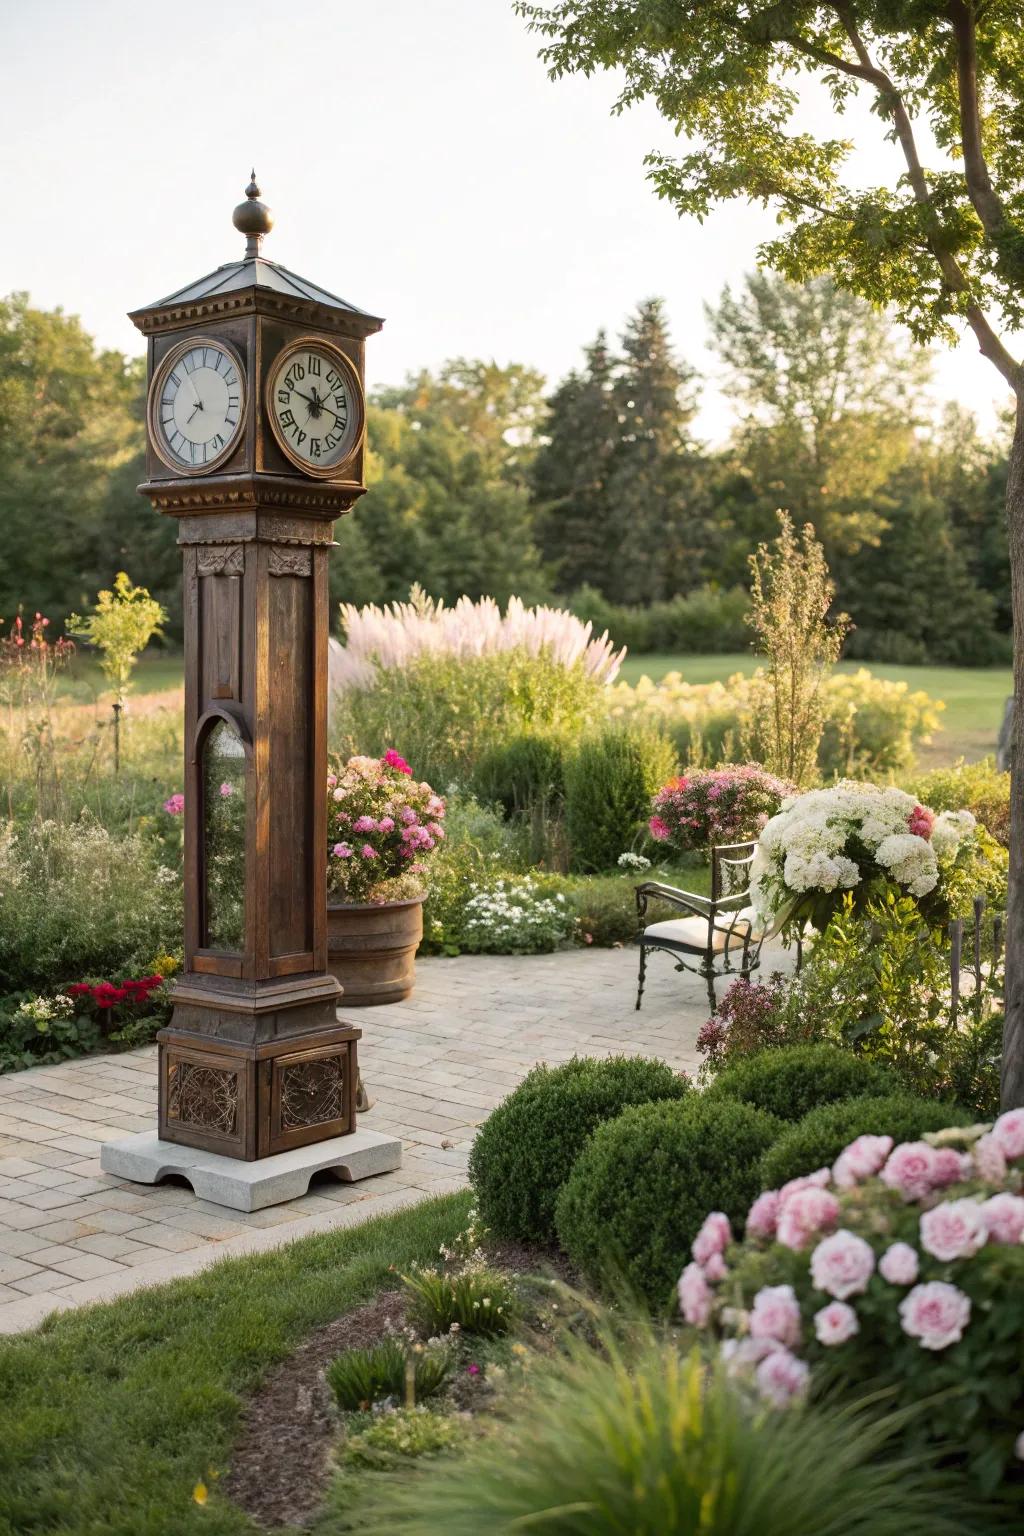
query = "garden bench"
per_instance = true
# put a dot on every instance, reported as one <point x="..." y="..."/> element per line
<point x="718" y="935"/>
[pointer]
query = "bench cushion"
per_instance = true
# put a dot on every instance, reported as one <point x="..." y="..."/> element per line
<point x="691" y="933"/>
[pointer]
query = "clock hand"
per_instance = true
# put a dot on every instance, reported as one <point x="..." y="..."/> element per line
<point x="197" y="407"/>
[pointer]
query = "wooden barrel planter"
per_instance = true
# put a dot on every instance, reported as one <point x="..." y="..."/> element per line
<point x="371" y="949"/>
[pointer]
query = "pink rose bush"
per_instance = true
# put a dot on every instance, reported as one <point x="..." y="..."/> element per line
<point x="716" y="805"/>
<point x="902" y="1265"/>
<point x="381" y="828"/>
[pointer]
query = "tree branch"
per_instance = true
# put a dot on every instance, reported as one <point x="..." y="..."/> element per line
<point x="979" y="184"/>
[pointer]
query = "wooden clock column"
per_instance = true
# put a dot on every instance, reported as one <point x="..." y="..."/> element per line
<point x="254" y="1061"/>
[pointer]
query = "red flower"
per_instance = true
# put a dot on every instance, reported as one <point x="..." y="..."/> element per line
<point x="79" y="989"/>
<point x="394" y="760"/>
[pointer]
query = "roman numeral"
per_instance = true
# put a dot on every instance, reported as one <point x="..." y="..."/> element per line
<point x="314" y="367"/>
<point x="283" y="397"/>
<point x="218" y="442"/>
<point x="286" y="418"/>
<point x="314" y="447"/>
<point x="339" y="401"/>
<point x="175" y="380"/>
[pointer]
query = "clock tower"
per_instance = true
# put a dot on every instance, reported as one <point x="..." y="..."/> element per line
<point x="256" y="425"/>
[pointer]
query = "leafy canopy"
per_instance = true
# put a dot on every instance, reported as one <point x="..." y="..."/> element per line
<point x="944" y="243"/>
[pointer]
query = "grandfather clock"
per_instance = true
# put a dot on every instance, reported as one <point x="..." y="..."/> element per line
<point x="255" y="444"/>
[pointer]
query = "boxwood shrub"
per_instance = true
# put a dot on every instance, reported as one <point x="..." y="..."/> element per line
<point x="817" y="1140"/>
<point x="525" y="1150"/>
<point x="791" y="1081"/>
<point x="644" y="1183"/>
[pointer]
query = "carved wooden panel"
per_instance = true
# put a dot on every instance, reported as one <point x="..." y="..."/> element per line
<point x="202" y="1098"/>
<point x="289" y="562"/>
<point x="290" y="711"/>
<point x="220" y="568"/>
<point x="312" y="1092"/>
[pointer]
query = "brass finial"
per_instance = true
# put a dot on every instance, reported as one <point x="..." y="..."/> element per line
<point x="253" y="219"/>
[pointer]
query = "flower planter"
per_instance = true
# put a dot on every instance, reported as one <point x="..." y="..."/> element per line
<point x="371" y="949"/>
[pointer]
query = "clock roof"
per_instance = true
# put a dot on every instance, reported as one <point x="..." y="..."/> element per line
<point x="254" y="283"/>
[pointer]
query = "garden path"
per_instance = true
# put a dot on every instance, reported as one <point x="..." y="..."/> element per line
<point x="434" y="1066"/>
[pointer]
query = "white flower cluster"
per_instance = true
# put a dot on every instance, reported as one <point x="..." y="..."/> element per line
<point x="819" y="841"/>
<point x="513" y="917"/>
<point x="633" y="861"/>
<point x="41" y="1011"/>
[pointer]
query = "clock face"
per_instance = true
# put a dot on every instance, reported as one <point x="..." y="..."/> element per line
<point x="315" y="406"/>
<point x="196" y="405"/>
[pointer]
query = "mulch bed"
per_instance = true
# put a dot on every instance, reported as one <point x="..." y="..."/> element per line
<point x="282" y="1458"/>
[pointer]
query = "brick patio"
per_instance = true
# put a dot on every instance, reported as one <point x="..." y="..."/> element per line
<point x="435" y="1066"/>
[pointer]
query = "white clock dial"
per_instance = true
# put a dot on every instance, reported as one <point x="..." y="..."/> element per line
<point x="316" y="407"/>
<point x="197" y="405"/>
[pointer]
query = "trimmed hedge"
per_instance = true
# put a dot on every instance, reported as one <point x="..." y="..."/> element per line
<point x="609" y="782"/>
<point x="525" y="1150"/>
<point x="817" y="1140"/>
<point x="791" y="1081"/>
<point x="644" y="1183"/>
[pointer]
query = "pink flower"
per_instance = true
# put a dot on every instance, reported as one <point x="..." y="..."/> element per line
<point x="921" y="821"/>
<point x="714" y="1237"/>
<point x="342" y="851"/>
<point x="989" y="1159"/>
<point x="694" y="1296"/>
<point x="393" y="760"/>
<point x="910" y="1169"/>
<point x="1004" y="1218"/>
<point x="174" y="805"/>
<point x="386" y="824"/>
<point x="782" y="1378"/>
<point x="776" y="1315"/>
<point x="339" y="793"/>
<point x="368" y="852"/>
<point x="898" y="1264"/>
<point x="817" y="1180"/>
<point x="956" y="1229"/>
<point x="408" y="815"/>
<point x="658" y="829"/>
<point x="715" y="1268"/>
<point x="763" y="1215"/>
<point x="472" y="1369"/>
<point x="804" y="1213"/>
<point x="332" y="779"/>
<point x="936" y="1314"/>
<point x="226" y="790"/>
<point x="860" y="1160"/>
<point x="364" y="824"/>
<point x="835" y="1323"/>
<point x="842" y="1265"/>
<point x="435" y="830"/>
<point x="740" y="1354"/>
<point x="1009" y="1133"/>
<point x="950" y="1167"/>
<point x="435" y="806"/>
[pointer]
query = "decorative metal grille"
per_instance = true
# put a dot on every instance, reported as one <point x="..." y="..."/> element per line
<point x="312" y="1092"/>
<point x="203" y="1097"/>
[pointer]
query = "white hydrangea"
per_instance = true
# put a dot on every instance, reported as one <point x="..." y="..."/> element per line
<point x="820" y="872"/>
<point x="910" y="860"/>
<point x="949" y="831"/>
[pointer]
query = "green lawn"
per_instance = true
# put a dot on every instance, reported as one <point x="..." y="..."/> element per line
<point x="111" y="1415"/>
<point x="974" y="697"/>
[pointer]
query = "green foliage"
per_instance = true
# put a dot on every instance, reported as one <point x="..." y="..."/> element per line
<point x="35" y="1031"/>
<point x="76" y="901"/>
<point x="478" y="847"/>
<point x="387" y="1440"/>
<point x="817" y="1140"/>
<point x="446" y="713"/>
<point x="871" y="725"/>
<point x="108" y="1414"/>
<point x="790" y="597"/>
<point x="977" y="787"/>
<point x="633" y="1437"/>
<point x="707" y="621"/>
<point x="523" y="775"/>
<point x="791" y="1081"/>
<point x="643" y="1184"/>
<point x="481" y="1301"/>
<point x="361" y="1377"/>
<point x="526" y="1148"/>
<point x="121" y="625"/>
<point x="609" y="782"/>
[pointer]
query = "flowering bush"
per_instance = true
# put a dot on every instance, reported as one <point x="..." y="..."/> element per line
<point x="515" y="916"/>
<point x="85" y="1016"/>
<point x="381" y="827"/>
<point x="716" y="805"/>
<point x="899" y="1264"/>
<point x="858" y="836"/>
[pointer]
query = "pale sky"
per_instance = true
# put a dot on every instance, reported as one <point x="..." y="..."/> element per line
<point x="417" y="158"/>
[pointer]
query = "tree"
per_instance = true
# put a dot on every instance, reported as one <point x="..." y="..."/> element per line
<point x="71" y="455"/>
<point x="121" y="625"/>
<point x="447" y="504"/>
<point x="943" y="245"/>
<point x="616" y="480"/>
<point x="830" y="399"/>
